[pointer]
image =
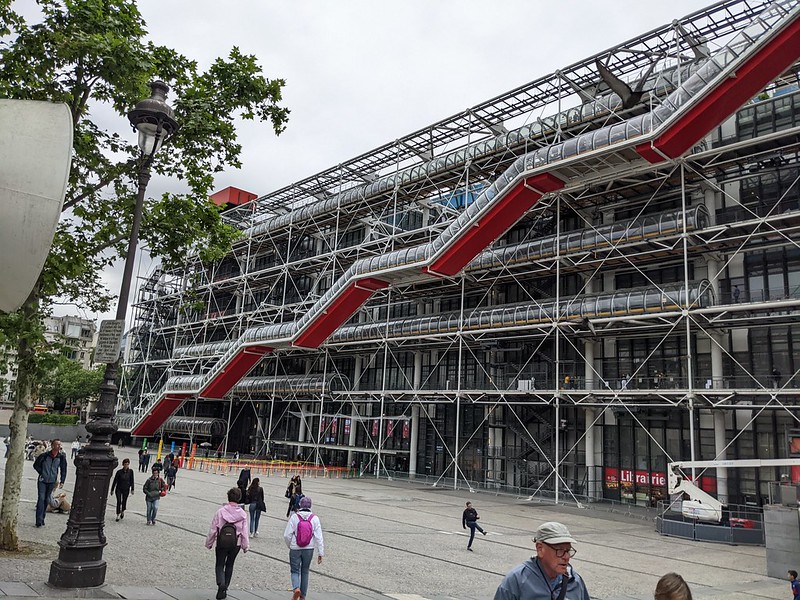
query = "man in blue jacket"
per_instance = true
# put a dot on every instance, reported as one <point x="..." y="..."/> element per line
<point x="548" y="575"/>
<point x="49" y="465"/>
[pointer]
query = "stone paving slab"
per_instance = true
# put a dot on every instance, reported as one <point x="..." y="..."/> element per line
<point x="139" y="593"/>
<point x="12" y="588"/>
<point x="403" y="531"/>
<point x="276" y="595"/>
<point x="242" y="595"/>
<point x="364" y="595"/>
<point x="189" y="593"/>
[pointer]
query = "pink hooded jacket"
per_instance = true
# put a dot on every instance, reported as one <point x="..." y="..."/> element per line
<point x="230" y="513"/>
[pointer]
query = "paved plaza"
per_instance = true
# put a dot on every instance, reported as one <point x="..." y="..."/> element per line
<point x="381" y="539"/>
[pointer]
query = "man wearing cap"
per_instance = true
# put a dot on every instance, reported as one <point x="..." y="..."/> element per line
<point x="548" y="575"/>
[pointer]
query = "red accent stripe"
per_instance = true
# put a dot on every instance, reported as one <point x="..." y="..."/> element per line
<point x="341" y="309"/>
<point x="159" y="413"/>
<point x="500" y="217"/>
<point x="239" y="366"/>
<point x="716" y="106"/>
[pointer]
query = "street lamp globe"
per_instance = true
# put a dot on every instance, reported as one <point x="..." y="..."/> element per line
<point x="154" y="119"/>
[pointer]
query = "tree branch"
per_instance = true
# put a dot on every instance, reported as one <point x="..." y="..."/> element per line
<point x="112" y="174"/>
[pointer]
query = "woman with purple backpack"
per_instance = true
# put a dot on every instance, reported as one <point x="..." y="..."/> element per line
<point x="302" y="534"/>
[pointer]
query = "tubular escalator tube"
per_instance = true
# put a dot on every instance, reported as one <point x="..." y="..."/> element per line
<point x="589" y="140"/>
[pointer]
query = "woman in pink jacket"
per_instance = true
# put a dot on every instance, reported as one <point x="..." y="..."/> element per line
<point x="229" y="531"/>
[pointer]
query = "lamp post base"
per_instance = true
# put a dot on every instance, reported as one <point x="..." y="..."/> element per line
<point x="80" y="561"/>
<point x="74" y="574"/>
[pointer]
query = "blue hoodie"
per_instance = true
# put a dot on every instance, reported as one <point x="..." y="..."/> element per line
<point x="527" y="581"/>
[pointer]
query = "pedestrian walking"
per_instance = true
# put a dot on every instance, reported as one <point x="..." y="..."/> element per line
<point x="7" y="442"/>
<point x="242" y="483"/>
<point x="76" y="446"/>
<point x="171" y="474"/>
<point x="794" y="583"/>
<point x="255" y="499"/>
<point x="293" y="492"/>
<point x="229" y="531"/>
<point x="736" y="293"/>
<point x="154" y="488"/>
<point x="548" y="575"/>
<point x="52" y="469"/>
<point x="672" y="587"/>
<point x="122" y="486"/>
<point x="146" y="459"/>
<point x="303" y="533"/>
<point x="470" y="519"/>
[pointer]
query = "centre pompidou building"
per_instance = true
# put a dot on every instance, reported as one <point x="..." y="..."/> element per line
<point x="560" y="290"/>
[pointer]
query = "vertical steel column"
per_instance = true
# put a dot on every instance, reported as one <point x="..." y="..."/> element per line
<point x="320" y="430"/>
<point x="686" y="307"/>
<point x="413" y="442"/>
<point x="557" y="329"/>
<point x="458" y="377"/>
<point x="591" y="467"/>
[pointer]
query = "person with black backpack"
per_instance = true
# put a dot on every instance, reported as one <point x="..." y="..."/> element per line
<point x="229" y="531"/>
<point x="302" y="534"/>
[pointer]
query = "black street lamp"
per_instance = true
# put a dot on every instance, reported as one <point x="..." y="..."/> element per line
<point x="80" y="561"/>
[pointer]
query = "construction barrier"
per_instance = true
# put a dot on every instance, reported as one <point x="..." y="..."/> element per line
<point x="269" y="468"/>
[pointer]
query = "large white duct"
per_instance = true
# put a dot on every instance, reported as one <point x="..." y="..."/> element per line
<point x="35" y="156"/>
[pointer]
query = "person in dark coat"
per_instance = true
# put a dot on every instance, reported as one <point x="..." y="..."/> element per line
<point x="122" y="486"/>
<point x="470" y="519"/>
<point x="294" y="492"/>
<point x="52" y="469"/>
<point x="242" y="483"/>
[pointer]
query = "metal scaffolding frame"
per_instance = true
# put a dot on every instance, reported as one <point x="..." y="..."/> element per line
<point x="505" y="338"/>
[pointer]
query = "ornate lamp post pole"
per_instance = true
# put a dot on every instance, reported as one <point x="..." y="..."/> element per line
<point x="80" y="561"/>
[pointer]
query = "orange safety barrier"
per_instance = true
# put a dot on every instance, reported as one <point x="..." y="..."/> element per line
<point x="269" y="468"/>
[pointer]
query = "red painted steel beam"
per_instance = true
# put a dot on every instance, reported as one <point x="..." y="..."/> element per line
<point x="721" y="102"/>
<point x="239" y="366"/>
<point x="158" y="415"/>
<point x="499" y="218"/>
<point x="341" y="309"/>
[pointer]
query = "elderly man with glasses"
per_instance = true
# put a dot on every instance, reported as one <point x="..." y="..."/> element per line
<point x="548" y="575"/>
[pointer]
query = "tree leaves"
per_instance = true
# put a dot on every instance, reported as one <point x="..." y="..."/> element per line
<point x="92" y="54"/>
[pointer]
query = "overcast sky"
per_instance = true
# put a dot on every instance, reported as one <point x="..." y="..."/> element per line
<point x="362" y="73"/>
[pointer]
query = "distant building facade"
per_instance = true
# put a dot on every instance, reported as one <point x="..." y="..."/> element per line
<point x="76" y="334"/>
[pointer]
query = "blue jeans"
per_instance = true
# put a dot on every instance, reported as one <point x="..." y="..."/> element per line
<point x="255" y="517"/>
<point x="44" y="490"/>
<point x="152" y="510"/>
<point x="300" y="563"/>
<point x="473" y="525"/>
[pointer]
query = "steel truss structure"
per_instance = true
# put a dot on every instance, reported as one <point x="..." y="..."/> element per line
<point x="561" y="289"/>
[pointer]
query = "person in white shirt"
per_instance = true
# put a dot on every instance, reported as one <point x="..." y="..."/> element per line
<point x="300" y="553"/>
<point x="76" y="446"/>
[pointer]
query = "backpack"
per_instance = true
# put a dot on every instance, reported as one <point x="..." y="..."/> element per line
<point x="305" y="530"/>
<point x="226" y="538"/>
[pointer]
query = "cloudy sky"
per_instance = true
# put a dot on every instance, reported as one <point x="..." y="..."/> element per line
<point x="362" y="73"/>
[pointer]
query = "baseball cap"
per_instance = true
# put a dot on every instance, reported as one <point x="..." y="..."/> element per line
<point x="553" y="532"/>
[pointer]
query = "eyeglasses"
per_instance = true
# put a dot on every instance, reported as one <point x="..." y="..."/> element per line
<point x="561" y="552"/>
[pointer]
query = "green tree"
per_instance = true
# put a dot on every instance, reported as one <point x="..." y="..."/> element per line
<point x="68" y="383"/>
<point x="88" y="53"/>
